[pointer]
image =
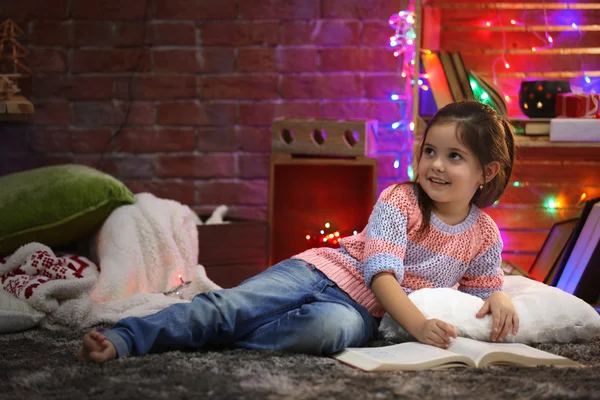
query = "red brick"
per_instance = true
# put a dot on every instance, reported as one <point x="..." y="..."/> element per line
<point x="108" y="33"/>
<point x="114" y="60"/>
<point x="30" y="9"/>
<point x="108" y="9"/>
<point x="196" y="166"/>
<point x="47" y="61"/>
<point x="195" y="113"/>
<point x="74" y="87"/>
<point x="362" y="9"/>
<point x="385" y="166"/>
<point x="264" y="112"/>
<point x="206" y="60"/>
<point x="122" y="168"/>
<point x="225" y="33"/>
<point x="279" y="9"/>
<point x="280" y="59"/>
<point x="346" y="109"/>
<point x="218" y="139"/>
<point x="358" y="59"/>
<point x="376" y="33"/>
<point x="159" y="87"/>
<point x="321" y="86"/>
<point x="224" y="192"/>
<point x="253" y="166"/>
<point x="386" y="112"/>
<point x="174" y="34"/>
<point x="382" y="86"/>
<point x="181" y="191"/>
<point x="394" y="140"/>
<point x="112" y="113"/>
<point x="50" y="141"/>
<point x="239" y="87"/>
<point x="148" y="140"/>
<point x="91" y="140"/>
<point x="247" y="212"/>
<point x="321" y="32"/>
<point x="195" y="9"/>
<point x="255" y="140"/>
<point x="15" y="139"/>
<point x="50" y="33"/>
<point x="51" y="113"/>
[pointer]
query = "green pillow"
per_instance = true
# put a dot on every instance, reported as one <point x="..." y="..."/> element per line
<point x="56" y="205"/>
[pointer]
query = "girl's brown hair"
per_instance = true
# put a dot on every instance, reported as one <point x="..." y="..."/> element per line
<point x="488" y="136"/>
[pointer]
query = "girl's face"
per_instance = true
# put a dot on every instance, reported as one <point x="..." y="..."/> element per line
<point x="448" y="172"/>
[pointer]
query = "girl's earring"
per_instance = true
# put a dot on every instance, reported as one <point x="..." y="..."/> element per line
<point x="480" y="187"/>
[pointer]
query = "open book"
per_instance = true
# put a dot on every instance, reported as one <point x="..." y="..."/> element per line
<point x="462" y="352"/>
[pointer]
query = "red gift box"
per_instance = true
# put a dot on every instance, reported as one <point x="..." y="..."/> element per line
<point x="577" y="105"/>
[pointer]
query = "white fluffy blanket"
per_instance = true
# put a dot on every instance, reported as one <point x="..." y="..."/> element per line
<point x="144" y="250"/>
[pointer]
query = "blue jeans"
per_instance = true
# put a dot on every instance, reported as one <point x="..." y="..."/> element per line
<point x="291" y="306"/>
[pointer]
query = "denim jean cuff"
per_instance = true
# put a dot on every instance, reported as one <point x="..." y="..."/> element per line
<point x="118" y="342"/>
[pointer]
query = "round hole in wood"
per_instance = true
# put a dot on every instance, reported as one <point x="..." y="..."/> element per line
<point x="351" y="138"/>
<point x="287" y="136"/>
<point x="318" y="136"/>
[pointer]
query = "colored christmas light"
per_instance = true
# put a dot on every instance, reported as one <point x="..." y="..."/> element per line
<point x="330" y="238"/>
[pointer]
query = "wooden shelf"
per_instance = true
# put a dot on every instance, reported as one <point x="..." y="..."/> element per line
<point x="16" y="109"/>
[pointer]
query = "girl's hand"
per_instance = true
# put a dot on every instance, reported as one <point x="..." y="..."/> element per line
<point x="436" y="333"/>
<point x="504" y="316"/>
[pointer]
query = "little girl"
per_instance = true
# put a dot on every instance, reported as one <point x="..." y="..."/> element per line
<point x="427" y="233"/>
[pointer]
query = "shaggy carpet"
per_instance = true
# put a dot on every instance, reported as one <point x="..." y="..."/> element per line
<point x="41" y="364"/>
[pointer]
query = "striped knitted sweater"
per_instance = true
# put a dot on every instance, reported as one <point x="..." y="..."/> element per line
<point x="468" y="253"/>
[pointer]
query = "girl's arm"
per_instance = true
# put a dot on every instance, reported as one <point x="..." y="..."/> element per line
<point x="397" y="304"/>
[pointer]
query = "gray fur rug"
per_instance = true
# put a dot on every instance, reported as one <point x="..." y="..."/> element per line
<point x="41" y="364"/>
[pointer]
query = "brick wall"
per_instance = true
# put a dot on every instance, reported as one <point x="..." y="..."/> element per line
<point x="194" y="84"/>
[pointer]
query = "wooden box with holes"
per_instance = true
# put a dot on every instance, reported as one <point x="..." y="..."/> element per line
<point x="321" y="171"/>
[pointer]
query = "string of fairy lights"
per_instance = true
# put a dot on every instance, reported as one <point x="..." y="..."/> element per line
<point x="402" y="43"/>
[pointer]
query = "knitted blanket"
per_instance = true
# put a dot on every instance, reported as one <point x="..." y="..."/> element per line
<point x="147" y="259"/>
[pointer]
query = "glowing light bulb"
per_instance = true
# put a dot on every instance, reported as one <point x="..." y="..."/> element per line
<point x="507" y="98"/>
<point x="488" y="24"/>
<point x="409" y="42"/>
<point x="506" y="65"/>
<point x="516" y="183"/>
<point x="513" y="22"/>
<point x="574" y="25"/>
<point x="322" y="231"/>
<point x="354" y="232"/>
<point x="396" y="54"/>
<point x="337" y="234"/>
<point x="550" y="39"/>
<point x="327" y="224"/>
<point x="425" y="87"/>
<point x="411" y="126"/>
<point x="420" y="81"/>
<point x="587" y="79"/>
<point x="331" y="236"/>
<point x="583" y="196"/>
<point x="426" y="76"/>
<point x="403" y="74"/>
<point x="484" y="96"/>
<point x="396" y="163"/>
<point x="533" y="49"/>
<point x="307" y="237"/>
<point x="324" y="239"/>
<point x="394" y="97"/>
<point x="395" y="125"/>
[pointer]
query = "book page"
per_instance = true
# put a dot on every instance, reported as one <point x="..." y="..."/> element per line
<point x="403" y="356"/>
<point x="484" y="353"/>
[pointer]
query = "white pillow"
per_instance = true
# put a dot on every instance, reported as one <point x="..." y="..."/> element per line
<point x="16" y="315"/>
<point x="546" y="314"/>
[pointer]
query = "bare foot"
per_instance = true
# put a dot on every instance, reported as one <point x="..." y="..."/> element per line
<point x="96" y="348"/>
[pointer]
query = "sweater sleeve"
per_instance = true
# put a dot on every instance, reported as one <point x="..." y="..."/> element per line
<point x="484" y="275"/>
<point x="385" y="242"/>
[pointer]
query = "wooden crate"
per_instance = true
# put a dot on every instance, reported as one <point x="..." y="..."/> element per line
<point x="321" y="136"/>
<point x="306" y="192"/>
<point x="233" y="252"/>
